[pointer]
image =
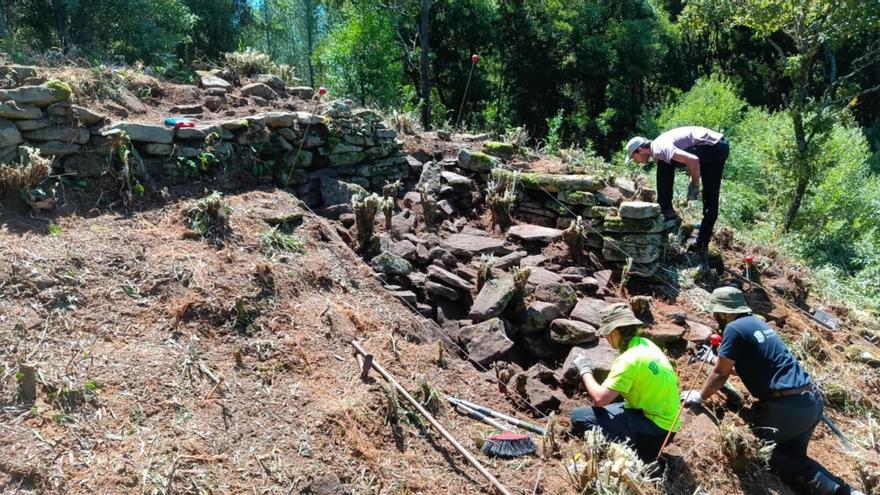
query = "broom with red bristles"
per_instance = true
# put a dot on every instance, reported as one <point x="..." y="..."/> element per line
<point x="508" y="443"/>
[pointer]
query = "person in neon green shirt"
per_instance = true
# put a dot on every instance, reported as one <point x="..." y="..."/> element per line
<point x="642" y="375"/>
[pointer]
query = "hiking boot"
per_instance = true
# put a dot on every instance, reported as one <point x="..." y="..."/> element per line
<point x="671" y="215"/>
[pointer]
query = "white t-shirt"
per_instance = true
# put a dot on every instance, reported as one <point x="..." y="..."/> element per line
<point x="681" y="138"/>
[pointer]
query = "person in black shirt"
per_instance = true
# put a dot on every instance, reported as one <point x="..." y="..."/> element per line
<point x="789" y="407"/>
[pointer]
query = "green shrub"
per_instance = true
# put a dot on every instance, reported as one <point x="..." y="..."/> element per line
<point x="250" y="62"/>
<point x="712" y="102"/>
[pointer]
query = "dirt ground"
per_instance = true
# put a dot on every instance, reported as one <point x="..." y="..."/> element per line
<point x="153" y="379"/>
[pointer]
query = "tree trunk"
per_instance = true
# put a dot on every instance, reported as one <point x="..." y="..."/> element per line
<point x="801" y="166"/>
<point x="2" y="20"/>
<point x="795" y="205"/>
<point x="266" y="26"/>
<point x="424" y="66"/>
<point x="59" y="8"/>
<point x="310" y="26"/>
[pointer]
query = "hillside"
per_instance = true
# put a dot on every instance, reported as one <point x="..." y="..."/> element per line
<point x="173" y="361"/>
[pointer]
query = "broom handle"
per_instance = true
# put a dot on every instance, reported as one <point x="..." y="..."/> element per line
<point x="485" y="410"/>
<point x="680" y="409"/>
<point x="482" y="417"/>
<point x="463" y="451"/>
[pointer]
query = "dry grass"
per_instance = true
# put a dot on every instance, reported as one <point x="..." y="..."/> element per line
<point x="599" y="466"/>
<point x="31" y="172"/>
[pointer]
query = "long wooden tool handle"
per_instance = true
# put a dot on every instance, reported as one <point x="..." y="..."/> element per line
<point x="680" y="409"/>
<point x="510" y="419"/>
<point x="461" y="450"/>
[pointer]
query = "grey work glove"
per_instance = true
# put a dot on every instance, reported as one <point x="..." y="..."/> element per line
<point x="705" y="353"/>
<point x="692" y="398"/>
<point x="583" y="365"/>
<point x="693" y="192"/>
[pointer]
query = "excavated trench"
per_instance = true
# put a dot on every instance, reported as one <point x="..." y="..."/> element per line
<point x="517" y="292"/>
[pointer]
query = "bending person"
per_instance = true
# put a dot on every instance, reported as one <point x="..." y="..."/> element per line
<point x="642" y="375"/>
<point x="703" y="152"/>
<point x="789" y="407"/>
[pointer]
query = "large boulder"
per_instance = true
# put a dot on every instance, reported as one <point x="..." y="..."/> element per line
<point x="391" y="264"/>
<point x="271" y="80"/>
<point x="504" y="151"/>
<point x="144" y="133"/>
<point x="335" y="192"/>
<point x="476" y="161"/>
<point x="587" y="311"/>
<point x="572" y="332"/>
<point x="486" y="342"/>
<point x="493" y="298"/>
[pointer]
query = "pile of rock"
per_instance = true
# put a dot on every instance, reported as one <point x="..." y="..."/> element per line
<point x="637" y="232"/>
<point x="341" y="142"/>
<point x="42" y="117"/>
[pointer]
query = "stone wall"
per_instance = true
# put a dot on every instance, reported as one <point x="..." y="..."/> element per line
<point x="352" y="145"/>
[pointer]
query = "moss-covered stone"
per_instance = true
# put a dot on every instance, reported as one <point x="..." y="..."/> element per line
<point x="597" y="212"/>
<point x="476" y="161"/>
<point x="617" y="225"/>
<point x="391" y="264"/>
<point x="60" y="89"/>
<point x="617" y="251"/>
<point x="551" y="183"/>
<point x="340" y="159"/>
<point x="504" y="151"/>
<point x="584" y="198"/>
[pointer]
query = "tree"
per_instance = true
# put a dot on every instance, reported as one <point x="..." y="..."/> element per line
<point x="804" y="35"/>
<point x="360" y="57"/>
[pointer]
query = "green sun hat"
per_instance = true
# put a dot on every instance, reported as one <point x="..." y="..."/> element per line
<point x="615" y="316"/>
<point x="728" y="300"/>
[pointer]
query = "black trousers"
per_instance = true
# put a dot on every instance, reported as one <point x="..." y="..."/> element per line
<point x="712" y="160"/>
<point x="789" y="422"/>
<point x="621" y="425"/>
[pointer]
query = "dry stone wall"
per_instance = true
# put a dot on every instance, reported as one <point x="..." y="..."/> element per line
<point x="340" y="142"/>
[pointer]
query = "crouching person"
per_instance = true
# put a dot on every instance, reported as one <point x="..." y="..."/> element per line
<point x="642" y="375"/>
<point x="789" y="407"/>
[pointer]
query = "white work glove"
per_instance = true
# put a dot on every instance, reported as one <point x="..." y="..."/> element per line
<point x="705" y="353"/>
<point x="693" y="192"/>
<point x="692" y="398"/>
<point x="583" y="365"/>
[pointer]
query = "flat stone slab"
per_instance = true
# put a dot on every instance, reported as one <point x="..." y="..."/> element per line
<point x="551" y="183"/>
<point x="534" y="234"/>
<point x="474" y="245"/>
<point x="664" y="334"/>
<point x="448" y="278"/>
<point x="638" y="210"/>
<point x="144" y="133"/>
<point x="541" y="276"/>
